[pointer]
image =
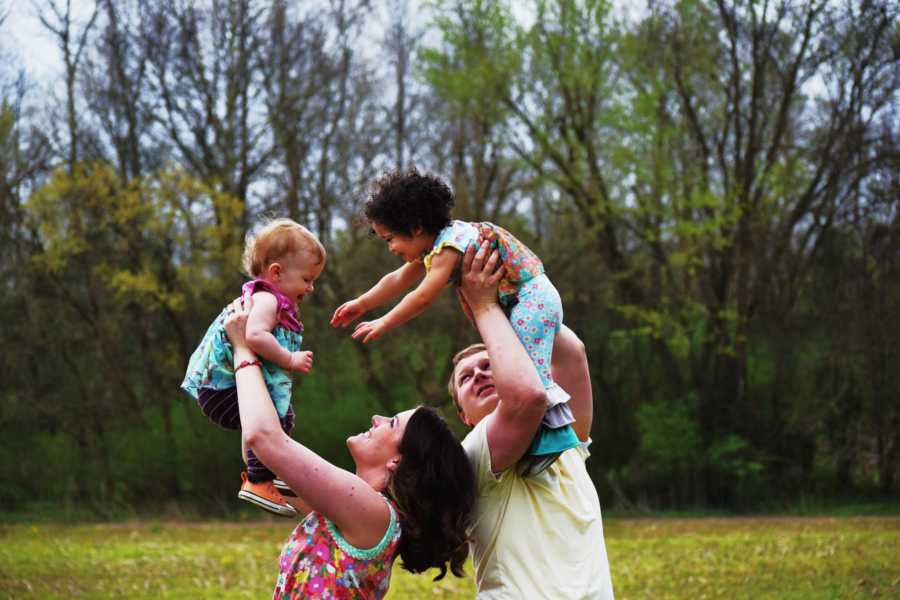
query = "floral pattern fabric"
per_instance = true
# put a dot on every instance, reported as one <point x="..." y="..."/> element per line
<point x="212" y="363"/>
<point x="317" y="562"/>
<point x="521" y="263"/>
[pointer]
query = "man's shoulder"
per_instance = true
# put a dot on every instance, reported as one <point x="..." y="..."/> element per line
<point x="476" y="447"/>
<point x="475" y="442"/>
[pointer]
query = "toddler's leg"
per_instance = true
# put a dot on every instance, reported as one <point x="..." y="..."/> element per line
<point x="220" y="407"/>
<point x="535" y="319"/>
<point x="257" y="472"/>
<point x="259" y="483"/>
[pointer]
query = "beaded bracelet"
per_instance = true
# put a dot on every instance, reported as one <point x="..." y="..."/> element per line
<point x="247" y="363"/>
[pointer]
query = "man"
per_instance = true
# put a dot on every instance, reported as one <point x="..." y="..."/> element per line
<point x="539" y="536"/>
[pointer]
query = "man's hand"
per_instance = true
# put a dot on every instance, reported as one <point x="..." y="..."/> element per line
<point x="347" y="312"/>
<point x="301" y="361"/>
<point x="370" y="330"/>
<point x="480" y="277"/>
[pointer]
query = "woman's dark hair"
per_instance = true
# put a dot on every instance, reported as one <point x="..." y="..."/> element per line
<point x="434" y="490"/>
<point x="405" y="200"/>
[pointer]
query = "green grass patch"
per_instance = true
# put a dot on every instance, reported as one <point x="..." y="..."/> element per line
<point x="764" y="557"/>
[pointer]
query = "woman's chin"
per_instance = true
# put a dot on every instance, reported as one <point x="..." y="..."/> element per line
<point x="353" y="440"/>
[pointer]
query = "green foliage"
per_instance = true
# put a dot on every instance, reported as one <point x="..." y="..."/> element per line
<point x="478" y="59"/>
<point x="732" y="455"/>
<point x="7" y="125"/>
<point x="670" y="439"/>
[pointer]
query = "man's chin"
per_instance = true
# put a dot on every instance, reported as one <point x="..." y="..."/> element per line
<point x="487" y="399"/>
<point x="487" y="405"/>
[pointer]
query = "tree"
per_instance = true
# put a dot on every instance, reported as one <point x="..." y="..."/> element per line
<point x="119" y="96"/>
<point x="71" y="39"/>
<point x="204" y="63"/>
<point x="701" y="162"/>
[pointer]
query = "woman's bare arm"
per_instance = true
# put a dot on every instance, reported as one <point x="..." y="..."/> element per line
<point x="352" y="504"/>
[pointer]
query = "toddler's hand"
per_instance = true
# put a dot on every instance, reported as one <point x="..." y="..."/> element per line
<point x="302" y="361"/>
<point x="347" y="312"/>
<point x="369" y="330"/>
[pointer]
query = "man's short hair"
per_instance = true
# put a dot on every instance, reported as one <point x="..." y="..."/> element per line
<point x="464" y="353"/>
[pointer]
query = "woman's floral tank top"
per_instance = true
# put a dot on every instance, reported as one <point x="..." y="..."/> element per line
<point x="317" y="562"/>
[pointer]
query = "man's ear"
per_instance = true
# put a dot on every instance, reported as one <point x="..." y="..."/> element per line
<point x="463" y="418"/>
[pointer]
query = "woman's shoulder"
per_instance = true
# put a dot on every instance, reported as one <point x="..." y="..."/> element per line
<point x="386" y="545"/>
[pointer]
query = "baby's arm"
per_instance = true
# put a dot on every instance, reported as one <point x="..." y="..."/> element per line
<point x="262" y="320"/>
<point x="414" y="302"/>
<point x="389" y="286"/>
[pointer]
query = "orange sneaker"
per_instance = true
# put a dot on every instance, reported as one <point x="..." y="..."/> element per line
<point x="265" y="496"/>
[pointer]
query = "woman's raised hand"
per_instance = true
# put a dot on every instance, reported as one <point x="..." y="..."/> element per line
<point x="236" y="323"/>
<point x="347" y="312"/>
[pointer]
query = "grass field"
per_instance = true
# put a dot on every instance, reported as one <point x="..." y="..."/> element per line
<point x="783" y="558"/>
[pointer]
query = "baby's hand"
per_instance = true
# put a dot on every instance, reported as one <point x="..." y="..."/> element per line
<point x="369" y="330"/>
<point x="302" y="361"/>
<point x="347" y="312"/>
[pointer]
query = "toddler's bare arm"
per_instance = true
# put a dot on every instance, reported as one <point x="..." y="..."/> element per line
<point x="262" y="320"/>
<point x="389" y="286"/>
<point x="415" y="302"/>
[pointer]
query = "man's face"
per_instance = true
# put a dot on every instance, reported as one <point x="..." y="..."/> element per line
<point x="475" y="390"/>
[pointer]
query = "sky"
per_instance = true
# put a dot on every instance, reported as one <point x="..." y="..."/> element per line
<point x="32" y="46"/>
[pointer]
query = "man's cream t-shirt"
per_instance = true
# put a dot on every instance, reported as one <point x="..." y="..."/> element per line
<point x="537" y="537"/>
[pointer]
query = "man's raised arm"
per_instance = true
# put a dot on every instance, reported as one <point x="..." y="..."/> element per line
<point x="523" y="401"/>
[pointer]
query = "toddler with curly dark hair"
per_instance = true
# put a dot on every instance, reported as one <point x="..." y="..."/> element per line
<point x="411" y="212"/>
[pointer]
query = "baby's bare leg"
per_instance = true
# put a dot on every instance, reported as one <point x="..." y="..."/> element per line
<point x="570" y="370"/>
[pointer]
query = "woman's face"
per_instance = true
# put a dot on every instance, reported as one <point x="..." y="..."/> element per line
<point x="380" y="445"/>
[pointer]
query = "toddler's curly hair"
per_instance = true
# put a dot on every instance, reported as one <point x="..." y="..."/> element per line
<point x="277" y="239"/>
<point x="403" y="201"/>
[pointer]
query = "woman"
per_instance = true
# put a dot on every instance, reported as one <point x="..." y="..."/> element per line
<point x="411" y="495"/>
